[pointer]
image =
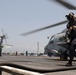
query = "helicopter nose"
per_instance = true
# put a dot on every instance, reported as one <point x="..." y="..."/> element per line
<point x="46" y="49"/>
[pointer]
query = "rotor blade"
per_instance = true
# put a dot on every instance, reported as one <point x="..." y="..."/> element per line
<point x="2" y="31"/>
<point x="5" y="41"/>
<point x="66" y="4"/>
<point x="50" y="26"/>
<point x="7" y="46"/>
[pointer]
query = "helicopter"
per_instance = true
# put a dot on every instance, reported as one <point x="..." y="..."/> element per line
<point x="2" y="38"/>
<point x="57" y="45"/>
<point x="1" y="42"/>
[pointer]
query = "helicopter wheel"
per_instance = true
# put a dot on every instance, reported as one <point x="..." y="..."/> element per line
<point x="64" y="56"/>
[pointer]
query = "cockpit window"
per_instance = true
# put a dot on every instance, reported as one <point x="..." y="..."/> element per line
<point x="51" y="40"/>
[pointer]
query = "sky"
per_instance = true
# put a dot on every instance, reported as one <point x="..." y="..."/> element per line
<point x="20" y="16"/>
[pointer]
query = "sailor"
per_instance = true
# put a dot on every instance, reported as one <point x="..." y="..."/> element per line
<point x="71" y="32"/>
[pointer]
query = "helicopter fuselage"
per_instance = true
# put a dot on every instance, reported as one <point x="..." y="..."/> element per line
<point x="56" y="44"/>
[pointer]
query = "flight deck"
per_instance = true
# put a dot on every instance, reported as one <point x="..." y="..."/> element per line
<point x="41" y="64"/>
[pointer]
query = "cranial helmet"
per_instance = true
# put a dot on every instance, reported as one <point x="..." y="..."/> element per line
<point x="70" y="16"/>
<point x="71" y="13"/>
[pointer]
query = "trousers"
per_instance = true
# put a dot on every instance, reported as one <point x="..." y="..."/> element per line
<point x="72" y="48"/>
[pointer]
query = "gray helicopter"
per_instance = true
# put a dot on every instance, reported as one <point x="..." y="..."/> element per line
<point x="3" y="38"/>
<point x="57" y="45"/>
<point x="1" y="42"/>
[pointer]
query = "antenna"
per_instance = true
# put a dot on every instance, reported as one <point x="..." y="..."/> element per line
<point x="37" y="48"/>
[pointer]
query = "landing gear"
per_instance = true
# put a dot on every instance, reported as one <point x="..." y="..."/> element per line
<point x="64" y="56"/>
<point x="49" y="54"/>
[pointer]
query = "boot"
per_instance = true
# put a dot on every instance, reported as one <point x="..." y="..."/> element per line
<point x="69" y="64"/>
